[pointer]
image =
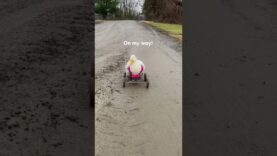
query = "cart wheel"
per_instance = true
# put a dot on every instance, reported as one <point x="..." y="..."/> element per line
<point x="147" y="84"/>
<point x="124" y="75"/>
<point x="145" y="77"/>
<point x="123" y="84"/>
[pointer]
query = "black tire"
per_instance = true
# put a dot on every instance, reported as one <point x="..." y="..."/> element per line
<point x="147" y="84"/>
<point x="145" y="77"/>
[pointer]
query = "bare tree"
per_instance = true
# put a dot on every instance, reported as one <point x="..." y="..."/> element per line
<point x="163" y="10"/>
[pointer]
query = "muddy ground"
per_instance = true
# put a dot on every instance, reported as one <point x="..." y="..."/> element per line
<point x="45" y="51"/>
<point x="135" y="121"/>
<point x="230" y="78"/>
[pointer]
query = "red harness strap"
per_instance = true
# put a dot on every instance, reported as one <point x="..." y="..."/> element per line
<point x="141" y="69"/>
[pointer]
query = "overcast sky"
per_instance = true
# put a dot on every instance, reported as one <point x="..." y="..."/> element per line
<point x="139" y="4"/>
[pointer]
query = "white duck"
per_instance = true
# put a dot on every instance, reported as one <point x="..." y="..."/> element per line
<point x="135" y="67"/>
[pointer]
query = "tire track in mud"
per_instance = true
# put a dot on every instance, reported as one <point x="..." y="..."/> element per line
<point x="116" y="113"/>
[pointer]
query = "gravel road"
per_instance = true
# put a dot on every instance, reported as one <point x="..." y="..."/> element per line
<point x="135" y="121"/>
<point x="230" y="78"/>
<point x="45" y="51"/>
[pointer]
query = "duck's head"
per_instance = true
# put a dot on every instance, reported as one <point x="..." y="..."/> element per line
<point x="133" y="59"/>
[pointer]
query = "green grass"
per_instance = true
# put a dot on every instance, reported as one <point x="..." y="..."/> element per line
<point x="174" y="30"/>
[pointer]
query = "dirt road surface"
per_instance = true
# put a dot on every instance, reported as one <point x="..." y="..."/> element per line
<point x="45" y="49"/>
<point x="230" y="78"/>
<point x="135" y="121"/>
